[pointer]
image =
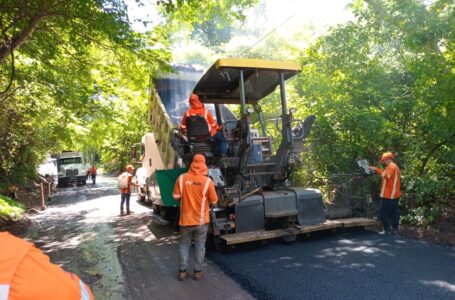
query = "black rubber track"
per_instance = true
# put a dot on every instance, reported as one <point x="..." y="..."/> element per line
<point x="349" y="265"/>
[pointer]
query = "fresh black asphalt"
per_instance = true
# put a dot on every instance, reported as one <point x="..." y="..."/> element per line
<point x="349" y="265"/>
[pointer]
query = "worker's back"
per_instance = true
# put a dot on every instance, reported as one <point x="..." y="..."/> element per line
<point x="26" y="273"/>
<point x="195" y="191"/>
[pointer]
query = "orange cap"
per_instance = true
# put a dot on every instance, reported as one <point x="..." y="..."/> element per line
<point x="387" y="155"/>
<point x="129" y="168"/>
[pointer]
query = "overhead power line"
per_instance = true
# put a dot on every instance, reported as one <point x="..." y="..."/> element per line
<point x="267" y="34"/>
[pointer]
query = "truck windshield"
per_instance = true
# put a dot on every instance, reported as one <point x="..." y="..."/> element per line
<point x="70" y="160"/>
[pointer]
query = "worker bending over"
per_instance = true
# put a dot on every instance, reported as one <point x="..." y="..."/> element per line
<point x="195" y="191"/>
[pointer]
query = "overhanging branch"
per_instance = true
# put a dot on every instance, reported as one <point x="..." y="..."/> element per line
<point x="435" y="147"/>
<point x="20" y="38"/>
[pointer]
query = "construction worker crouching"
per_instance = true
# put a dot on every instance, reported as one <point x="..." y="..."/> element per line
<point x="195" y="191"/>
<point x="390" y="192"/>
<point x="26" y="273"/>
<point x="197" y="108"/>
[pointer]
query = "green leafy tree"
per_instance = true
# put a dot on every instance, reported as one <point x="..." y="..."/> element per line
<point x="74" y="75"/>
<point x="47" y="61"/>
<point x="209" y="22"/>
<point x="385" y="82"/>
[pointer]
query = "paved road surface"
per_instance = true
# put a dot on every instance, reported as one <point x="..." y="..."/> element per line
<point x="133" y="257"/>
<point x="350" y="265"/>
<point x="127" y="257"/>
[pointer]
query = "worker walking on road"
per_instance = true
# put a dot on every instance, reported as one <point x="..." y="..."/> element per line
<point x="93" y="173"/>
<point x="197" y="109"/>
<point x="390" y="192"/>
<point x="125" y="193"/>
<point x="26" y="273"/>
<point x="195" y="191"/>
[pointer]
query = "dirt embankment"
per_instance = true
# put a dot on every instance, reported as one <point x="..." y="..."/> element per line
<point x="443" y="236"/>
<point x="31" y="200"/>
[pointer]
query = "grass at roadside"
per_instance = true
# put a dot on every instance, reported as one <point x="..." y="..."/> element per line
<point x="10" y="210"/>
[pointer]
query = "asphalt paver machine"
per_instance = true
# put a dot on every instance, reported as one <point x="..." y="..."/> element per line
<point x="257" y="200"/>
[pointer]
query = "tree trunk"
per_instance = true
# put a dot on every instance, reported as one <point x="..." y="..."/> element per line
<point x="17" y="40"/>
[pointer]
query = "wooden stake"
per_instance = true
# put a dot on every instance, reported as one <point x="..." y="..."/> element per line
<point x="43" y="203"/>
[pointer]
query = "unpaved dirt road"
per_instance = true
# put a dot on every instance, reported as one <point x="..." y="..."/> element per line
<point x="120" y="257"/>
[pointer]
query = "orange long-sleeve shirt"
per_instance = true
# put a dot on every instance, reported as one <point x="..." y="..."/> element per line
<point x="130" y="183"/>
<point x="391" y="181"/>
<point x="197" y="108"/>
<point x="195" y="191"/>
<point x="27" y="274"/>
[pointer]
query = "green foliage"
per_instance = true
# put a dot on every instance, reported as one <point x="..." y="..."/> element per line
<point x="51" y="89"/>
<point x="385" y="82"/>
<point x="209" y="22"/>
<point x="427" y="198"/>
<point x="74" y="75"/>
<point x="10" y="209"/>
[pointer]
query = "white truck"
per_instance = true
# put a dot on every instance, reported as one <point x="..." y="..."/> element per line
<point x="72" y="169"/>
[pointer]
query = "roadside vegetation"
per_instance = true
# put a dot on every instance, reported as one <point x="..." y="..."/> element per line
<point x="385" y="82"/>
<point x="75" y="75"/>
<point x="10" y="211"/>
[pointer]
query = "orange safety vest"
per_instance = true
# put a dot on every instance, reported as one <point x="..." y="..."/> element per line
<point x="27" y="274"/>
<point x="390" y="183"/>
<point x="198" y="109"/>
<point x="128" y="189"/>
<point x="195" y="192"/>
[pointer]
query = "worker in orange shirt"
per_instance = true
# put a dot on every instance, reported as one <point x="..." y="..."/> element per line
<point x="390" y="192"/>
<point x="195" y="191"/>
<point x="27" y="274"/>
<point x="197" y="108"/>
<point x="125" y="193"/>
<point x="93" y="173"/>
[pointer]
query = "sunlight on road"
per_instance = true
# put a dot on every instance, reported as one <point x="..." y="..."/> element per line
<point x="441" y="284"/>
<point x="83" y="223"/>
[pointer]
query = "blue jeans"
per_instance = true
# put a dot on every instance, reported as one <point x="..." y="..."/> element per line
<point x="389" y="211"/>
<point x="125" y="198"/>
<point x="219" y="137"/>
<point x="187" y="234"/>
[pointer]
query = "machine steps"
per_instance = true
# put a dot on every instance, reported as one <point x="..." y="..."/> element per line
<point x="245" y="237"/>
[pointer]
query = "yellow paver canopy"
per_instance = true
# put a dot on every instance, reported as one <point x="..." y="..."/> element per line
<point x="221" y="84"/>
